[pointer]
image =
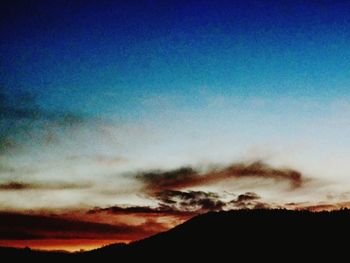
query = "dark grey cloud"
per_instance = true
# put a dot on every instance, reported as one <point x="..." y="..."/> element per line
<point x="198" y="201"/>
<point x="22" y="186"/>
<point x="245" y="200"/>
<point x="161" y="210"/>
<point x="248" y="200"/>
<point x="127" y="210"/>
<point x="160" y="180"/>
<point x="249" y="196"/>
<point x="185" y="177"/>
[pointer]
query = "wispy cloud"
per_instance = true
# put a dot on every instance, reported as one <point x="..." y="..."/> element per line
<point x="322" y="206"/>
<point x="21" y="118"/>
<point x="185" y="177"/>
<point x="22" y="186"/>
<point x="156" y="212"/>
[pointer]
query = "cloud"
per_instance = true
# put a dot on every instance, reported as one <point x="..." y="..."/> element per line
<point x="21" y="186"/>
<point x="184" y="204"/>
<point x="25" y="106"/>
<point x="322" y="206"/>
<point x="185" y="177"/>
<point x="198" y="201"/>
<point x="178" y="178"/>
<point x="24" y="226"/>
<point x="248" y="200"/>
<point x="132" y="210"/>
<point x="180" y="205"/>
<point x="21" y="118"/>
<point x="249" y="196"/>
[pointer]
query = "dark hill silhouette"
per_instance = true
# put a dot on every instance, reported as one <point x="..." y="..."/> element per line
<point x="266" y="234"/>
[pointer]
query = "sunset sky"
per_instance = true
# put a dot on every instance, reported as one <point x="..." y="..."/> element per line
<point x="122" y="119"/>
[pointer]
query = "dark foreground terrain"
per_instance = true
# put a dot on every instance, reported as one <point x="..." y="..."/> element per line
<point x="278" y="235"/>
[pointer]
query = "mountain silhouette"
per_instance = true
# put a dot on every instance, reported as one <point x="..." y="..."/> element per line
<point x="247" y="234"/>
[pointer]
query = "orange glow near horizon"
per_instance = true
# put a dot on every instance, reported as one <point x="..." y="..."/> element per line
<point x="69" y="245"/>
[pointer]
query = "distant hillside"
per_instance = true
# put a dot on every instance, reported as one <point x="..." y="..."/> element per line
<point x="244" y="233"/>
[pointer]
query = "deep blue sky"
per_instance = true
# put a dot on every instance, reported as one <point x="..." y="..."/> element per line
<point x="76" y="54"/>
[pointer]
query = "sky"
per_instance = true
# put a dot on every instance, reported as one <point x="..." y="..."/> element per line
<point x="122" y="119"/>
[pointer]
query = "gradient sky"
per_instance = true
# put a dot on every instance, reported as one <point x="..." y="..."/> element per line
<point x="137" y="115"/>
